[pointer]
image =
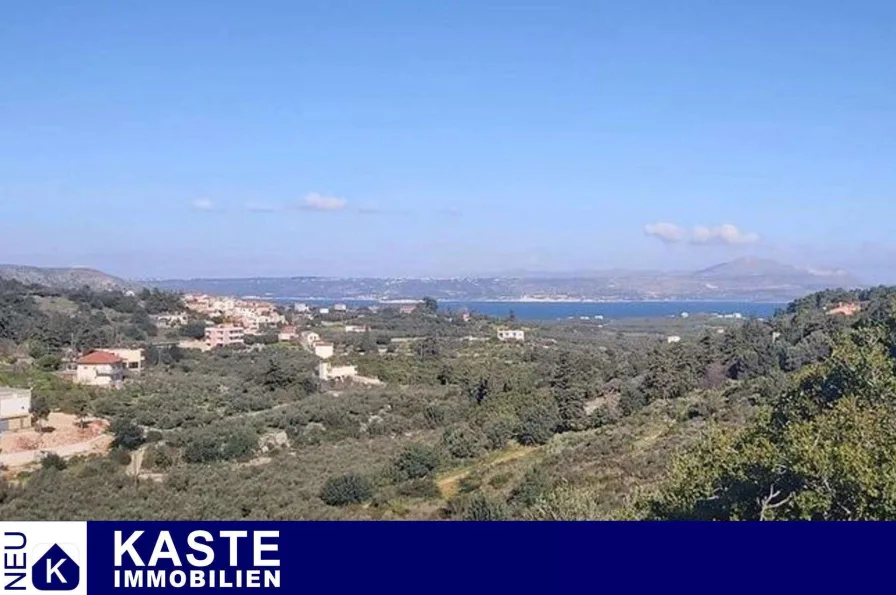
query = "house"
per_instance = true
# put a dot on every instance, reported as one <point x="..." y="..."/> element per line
<point x="340" y="307"/>
<point x="170" y="320"/>
<point x="407" y="308"/>
<point x="308" y="338"/>
<point x="511" y="335"/>
<point x="15" y="408"/>
<point x="327" y="371"/>
<point x="465" y="316"/>
<point x="133" y="359"/>
<point x="303" y="308"/>
<point x="356" y="328"/>
<point x="673" y="339"/>
<point x="845" y="309"/>
<point x="223" y="335"/>
<point x="324" y="349"/>
<point x="323" y="311"/>
<point x="287" y="333"/>
<point x="100" y="368"/>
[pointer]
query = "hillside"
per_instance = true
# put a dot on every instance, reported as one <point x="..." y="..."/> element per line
<point x="783" y="418"/>
<point x="61" y="278"/>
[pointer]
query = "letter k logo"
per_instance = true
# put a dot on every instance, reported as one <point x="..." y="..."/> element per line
<point x="55" y="571"/>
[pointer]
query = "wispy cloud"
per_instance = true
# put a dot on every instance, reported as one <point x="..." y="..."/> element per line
<point x="319" y="202"/>
<point x="668" y="233"/>
<point x="721" y="235"/>
<point x="203" y="204"/>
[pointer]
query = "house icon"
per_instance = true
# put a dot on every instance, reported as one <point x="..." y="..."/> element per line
<point x="55" y="571"/>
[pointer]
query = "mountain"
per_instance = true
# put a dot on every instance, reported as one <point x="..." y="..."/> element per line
<point x="62" y="278"/>
<point x="745" y="279"/>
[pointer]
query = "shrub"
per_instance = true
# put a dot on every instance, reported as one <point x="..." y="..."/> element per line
<point x="499" y="431"/>
<point x="536" y="426"/>
<point x="343" y="490"/>
<point x="159" y="457"/>
<point x="419" y="488"/>
<point x="463" y="442"/>
<point x="120" y="456"/>
<point x="53" y="461"/>
<point x="416" y="461"/>
<point x="482" y="508"/>
<point x="535" y="483"/>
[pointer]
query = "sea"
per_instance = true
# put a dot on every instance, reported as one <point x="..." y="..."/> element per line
<point x="554" y="311"/>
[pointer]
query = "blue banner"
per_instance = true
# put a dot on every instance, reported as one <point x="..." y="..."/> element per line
<point x="449" y="557"/>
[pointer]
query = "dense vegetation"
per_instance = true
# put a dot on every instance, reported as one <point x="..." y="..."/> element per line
<point x="785" y="418"/>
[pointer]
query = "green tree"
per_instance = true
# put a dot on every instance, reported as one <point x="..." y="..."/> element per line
<point x="826" y="450"/>
<point x="40" y="412"/>
<point x="126" y="434"/>
<point x="429" y="305"/>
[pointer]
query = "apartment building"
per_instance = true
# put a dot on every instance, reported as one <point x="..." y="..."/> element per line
<point x="223" y="335"/>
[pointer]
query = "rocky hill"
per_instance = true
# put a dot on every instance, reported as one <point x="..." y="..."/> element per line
<point x="63" y="278"/>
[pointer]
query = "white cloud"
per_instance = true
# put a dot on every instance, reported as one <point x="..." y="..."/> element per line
<point x="203" y="204"/>
<point x="668" y="233"/>
<point x="726" y="234"/>
<point x="701" y="235"/>
<point x="318" y="202"/>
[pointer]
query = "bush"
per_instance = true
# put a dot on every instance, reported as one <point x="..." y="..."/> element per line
<point x="343" y="490"/>
<point x="53" y="461"/>
<point x="159" y="457"/>
<point x="482" y="508"/>
<point x="416" y="461"/>
<point x="535" y="483"/>
<point x="536" y="426"/>
<point x="120" y="456"/>
<point x="419" y="488"/>
<point x="499" y="431"/>
<point x="463" y="442"/>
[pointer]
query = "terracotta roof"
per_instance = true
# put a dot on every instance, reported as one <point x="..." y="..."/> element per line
<point x="99" y="358"/>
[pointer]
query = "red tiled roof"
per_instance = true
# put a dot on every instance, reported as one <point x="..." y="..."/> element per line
<point x="99" y="358"/>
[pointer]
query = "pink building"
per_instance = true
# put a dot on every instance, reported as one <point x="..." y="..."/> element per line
<point x="223" y="335"/>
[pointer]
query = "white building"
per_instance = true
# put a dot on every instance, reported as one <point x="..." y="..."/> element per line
<point x="15" y="408"/>
<point x="287" y="333"/>
<point x="673" y="339"/>
<point x="308" y="338"/>
<point x="323" y="311"/>
<point x="356" y="328"/>
<point x="301" y="308"/>
<point x="327" y="371"/>
<point x="511" y="335"/>
<point x="339" y="307"/>
<point x="170" y="320"/>
<point x="324" y="349"/>
<point x="100" y="368"/>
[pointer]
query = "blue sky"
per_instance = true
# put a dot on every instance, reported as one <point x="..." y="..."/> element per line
<point x="224" y="138"/>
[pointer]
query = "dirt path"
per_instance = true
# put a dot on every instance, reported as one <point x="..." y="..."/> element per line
<point x="27" y="457"/>
<point x="449" y="484"/>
